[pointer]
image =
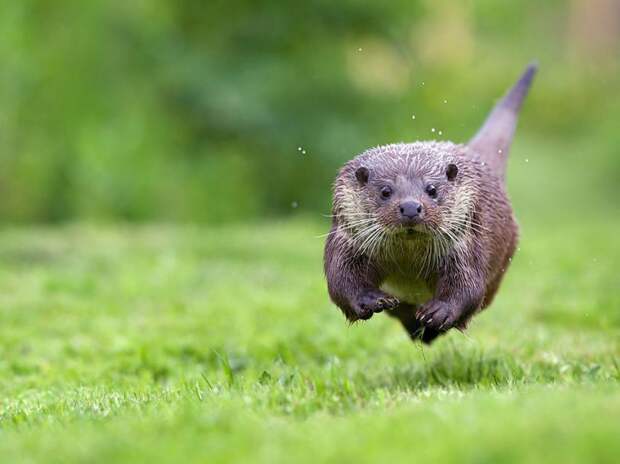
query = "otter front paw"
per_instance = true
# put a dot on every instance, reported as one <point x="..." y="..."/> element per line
<point x="373" y="301"/>
<point x="437" y="315"/>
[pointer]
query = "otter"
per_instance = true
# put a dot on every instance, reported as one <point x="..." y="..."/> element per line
<point x="425" y="230"/>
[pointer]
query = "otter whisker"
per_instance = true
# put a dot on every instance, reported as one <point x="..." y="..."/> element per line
<point x="374" y="242"/>
<point x="466" y="221"/>
<point x="371" y="236"/>
<point x="365" y="236"/>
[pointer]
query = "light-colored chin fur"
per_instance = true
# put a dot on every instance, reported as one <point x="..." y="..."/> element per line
<point x="409" y="256"/>
<point x="412" y="232"/>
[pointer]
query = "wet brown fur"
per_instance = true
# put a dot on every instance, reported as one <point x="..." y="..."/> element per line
<point x="450" y="265"/>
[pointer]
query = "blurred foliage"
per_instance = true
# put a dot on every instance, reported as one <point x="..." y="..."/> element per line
<point x="215" y="111"/>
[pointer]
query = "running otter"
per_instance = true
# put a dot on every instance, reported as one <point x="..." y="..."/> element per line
<point x="425" y="230"/>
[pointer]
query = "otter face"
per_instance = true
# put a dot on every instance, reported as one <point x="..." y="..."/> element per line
<point x="409" y="200"/>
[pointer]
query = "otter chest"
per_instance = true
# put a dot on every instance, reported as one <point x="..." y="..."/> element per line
<point x="410" y="289"/>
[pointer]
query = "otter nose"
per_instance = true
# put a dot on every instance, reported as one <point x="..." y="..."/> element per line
<point x="410" y="209"/>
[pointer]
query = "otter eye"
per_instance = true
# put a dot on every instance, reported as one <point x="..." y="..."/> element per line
<point x="451" y="171"/>
<point x="386" y="192"/>
<point x="431" y="191"/>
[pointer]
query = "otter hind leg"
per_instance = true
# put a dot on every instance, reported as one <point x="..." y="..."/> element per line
<point x="405" y="313"/>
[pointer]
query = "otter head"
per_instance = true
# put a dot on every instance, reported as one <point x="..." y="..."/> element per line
<point x="408" y="197"/>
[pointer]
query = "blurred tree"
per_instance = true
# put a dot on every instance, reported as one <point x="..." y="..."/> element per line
<point x="212" y="111"/>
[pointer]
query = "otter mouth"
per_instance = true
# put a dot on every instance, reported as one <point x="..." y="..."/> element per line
<point x="411" y="232"/>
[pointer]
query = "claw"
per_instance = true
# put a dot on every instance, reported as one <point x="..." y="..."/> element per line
<point x="388" y="302"/>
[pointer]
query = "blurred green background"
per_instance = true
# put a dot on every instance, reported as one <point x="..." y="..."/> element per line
<point x="217" y="111"/>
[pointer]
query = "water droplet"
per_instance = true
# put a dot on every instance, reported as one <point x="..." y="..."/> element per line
<point x="359" y="49"/>
<point x="422" y="82"/>
<point x="433" y="129"/>
<point x="499" y="151"/>
<point x="445" y="101"/>
<point x="303" y="152"/>
<point x="527" y="160"/>
<point x="519" y="249"/>
<point x="294" y="205"/>
<point x="299" y="148"/>
<point x="413" y="116"/>
<point x="440" y="132"/>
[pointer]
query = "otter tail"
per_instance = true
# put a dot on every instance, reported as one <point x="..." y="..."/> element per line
<point x="493" y="139"/>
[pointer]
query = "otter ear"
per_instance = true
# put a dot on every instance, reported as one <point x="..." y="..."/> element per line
<point x="362" y="175"/>
<point x="451" y="171"/>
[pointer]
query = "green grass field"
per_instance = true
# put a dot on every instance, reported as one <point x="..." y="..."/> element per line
<point x="187" y="344"/>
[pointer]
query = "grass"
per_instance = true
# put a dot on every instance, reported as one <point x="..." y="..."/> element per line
<point x="187" y="344"/>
